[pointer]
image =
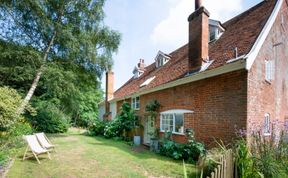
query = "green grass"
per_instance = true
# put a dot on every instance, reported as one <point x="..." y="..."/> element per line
<point x="83" y="156"/>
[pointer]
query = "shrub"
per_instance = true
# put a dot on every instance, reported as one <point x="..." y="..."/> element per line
<point x="265" y="157"/>
<point x="123" y="123"/>
<point x="269" y="154"/>
<point x="12" y="140"/>
<point x="86" y="120"/>
<point x="191" y="151"/>
<point x="9" y="101"/>
<point x="244" y="161"/>
<point x="112" y="129"/>
<point x="97" y="127"/>
<point x="50" y="119"/>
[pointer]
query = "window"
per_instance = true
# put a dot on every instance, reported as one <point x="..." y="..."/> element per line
<point x="215" y="30"/>
<point x="172" y="122"/>
<point x="136" y="103"/>
<point x="161" y="59"/>
<point x="268" y="70"/>
<point x="267" y="124"/>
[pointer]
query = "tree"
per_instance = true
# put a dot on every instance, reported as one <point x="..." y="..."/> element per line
<point x="67" y="30"/>
<point x="74" y="90"/>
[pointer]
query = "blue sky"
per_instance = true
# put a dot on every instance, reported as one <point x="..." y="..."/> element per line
<point x="148" y="26"/>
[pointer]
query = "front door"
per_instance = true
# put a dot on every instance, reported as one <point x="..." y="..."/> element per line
<point x="149" y="129"/>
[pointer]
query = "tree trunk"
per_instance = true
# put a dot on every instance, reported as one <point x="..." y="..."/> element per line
<point x="31" y="91"/>
<point x="33" y="87"/>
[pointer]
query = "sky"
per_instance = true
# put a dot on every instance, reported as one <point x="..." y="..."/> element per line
<point x="147" y="26"/>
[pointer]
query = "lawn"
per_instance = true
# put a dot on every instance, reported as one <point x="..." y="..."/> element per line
<point x="79" y="155"/>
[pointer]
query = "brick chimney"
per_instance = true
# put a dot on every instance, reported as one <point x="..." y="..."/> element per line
<point x="109" y="90"/>
<point x="141" y="64"/>
<point x="198" y="36"/>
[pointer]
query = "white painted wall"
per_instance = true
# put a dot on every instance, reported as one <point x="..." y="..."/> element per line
<point x="113" y="109"/>
<point x="101" y="109"/>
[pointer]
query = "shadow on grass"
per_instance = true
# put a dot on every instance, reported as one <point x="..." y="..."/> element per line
<point x="32" y="159"/>
<point x="145" y="154"/>
<point x="123" y="146"/>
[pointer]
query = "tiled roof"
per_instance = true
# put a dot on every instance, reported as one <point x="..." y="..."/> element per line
<point x="241" y="32"/>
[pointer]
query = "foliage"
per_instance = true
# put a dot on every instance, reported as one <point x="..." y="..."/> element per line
<point x="270" y="154"/>
<point x="266" y="156"/>
<point x="194" y="149"/>
<point x="12" y="140"/>
<point x="244" y="161"/>
<point x="97" y="127"/>
<point x="18" y="65"/>
<point x="112" y="129"/>
<point x="75" y="89"/>
<point x="152" y="108"/>
<point x="50" y="119"/>
<point x="9" y="101"/>
<point x="123" y="123"/>
<point x="191" y="151"/>
<point x="127" y="118"/>
<point x="66" y="31"/>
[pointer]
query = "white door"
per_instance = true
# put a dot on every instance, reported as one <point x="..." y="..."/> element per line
<point x="149" y="129"/>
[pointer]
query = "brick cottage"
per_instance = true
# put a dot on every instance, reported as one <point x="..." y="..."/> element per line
<point x="228" y="76"/>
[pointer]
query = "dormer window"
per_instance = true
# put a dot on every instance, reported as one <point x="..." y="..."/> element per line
<point x="215" y="30"/>
<point x="161" y="59"/>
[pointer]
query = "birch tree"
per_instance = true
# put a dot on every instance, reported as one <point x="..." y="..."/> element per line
<point x="63" y="29"/>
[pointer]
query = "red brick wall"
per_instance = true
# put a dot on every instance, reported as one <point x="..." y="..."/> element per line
<point x="265" y="97"/>
<point x="219" y="104"/>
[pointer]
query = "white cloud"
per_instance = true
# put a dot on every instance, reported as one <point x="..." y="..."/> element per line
<point x="173" y="31"/>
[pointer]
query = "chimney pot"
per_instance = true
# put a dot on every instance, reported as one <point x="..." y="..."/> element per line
<point x="198" y="4"/>
<point x="141" y="64"/>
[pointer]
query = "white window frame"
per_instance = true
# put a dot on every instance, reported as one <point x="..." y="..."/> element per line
<point x="174" y="117"/>
<point x="134" y="103"/>
<point x="174" y="112"/>
<point x="269" y="71"/>
<point x="161" y="59"/>
<point x="267" y="124"/>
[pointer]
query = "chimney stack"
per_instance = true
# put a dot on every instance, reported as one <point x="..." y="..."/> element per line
<point x="198" y="36"/>
<point x="141" y="64"/>
<point x="109" y="90"/>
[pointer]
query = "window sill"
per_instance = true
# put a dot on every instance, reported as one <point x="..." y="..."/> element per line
<point x="136" y="109"/>
<point x="174" y="133"/>
<point x="267" y="134"/>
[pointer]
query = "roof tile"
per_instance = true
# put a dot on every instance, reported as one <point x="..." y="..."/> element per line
<point x="241" y="32"/>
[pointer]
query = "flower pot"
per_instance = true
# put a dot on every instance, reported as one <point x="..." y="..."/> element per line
<point x="154" y="145"/>
<point x="137" y="140"/>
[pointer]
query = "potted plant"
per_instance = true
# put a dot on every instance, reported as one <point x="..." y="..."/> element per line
<point x="154" y="141"/>
<point x="136" y="132"/>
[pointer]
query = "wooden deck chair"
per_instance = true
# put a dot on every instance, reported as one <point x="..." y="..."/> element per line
<point x="44" y="141"/>
<point x="34" y="147"/>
